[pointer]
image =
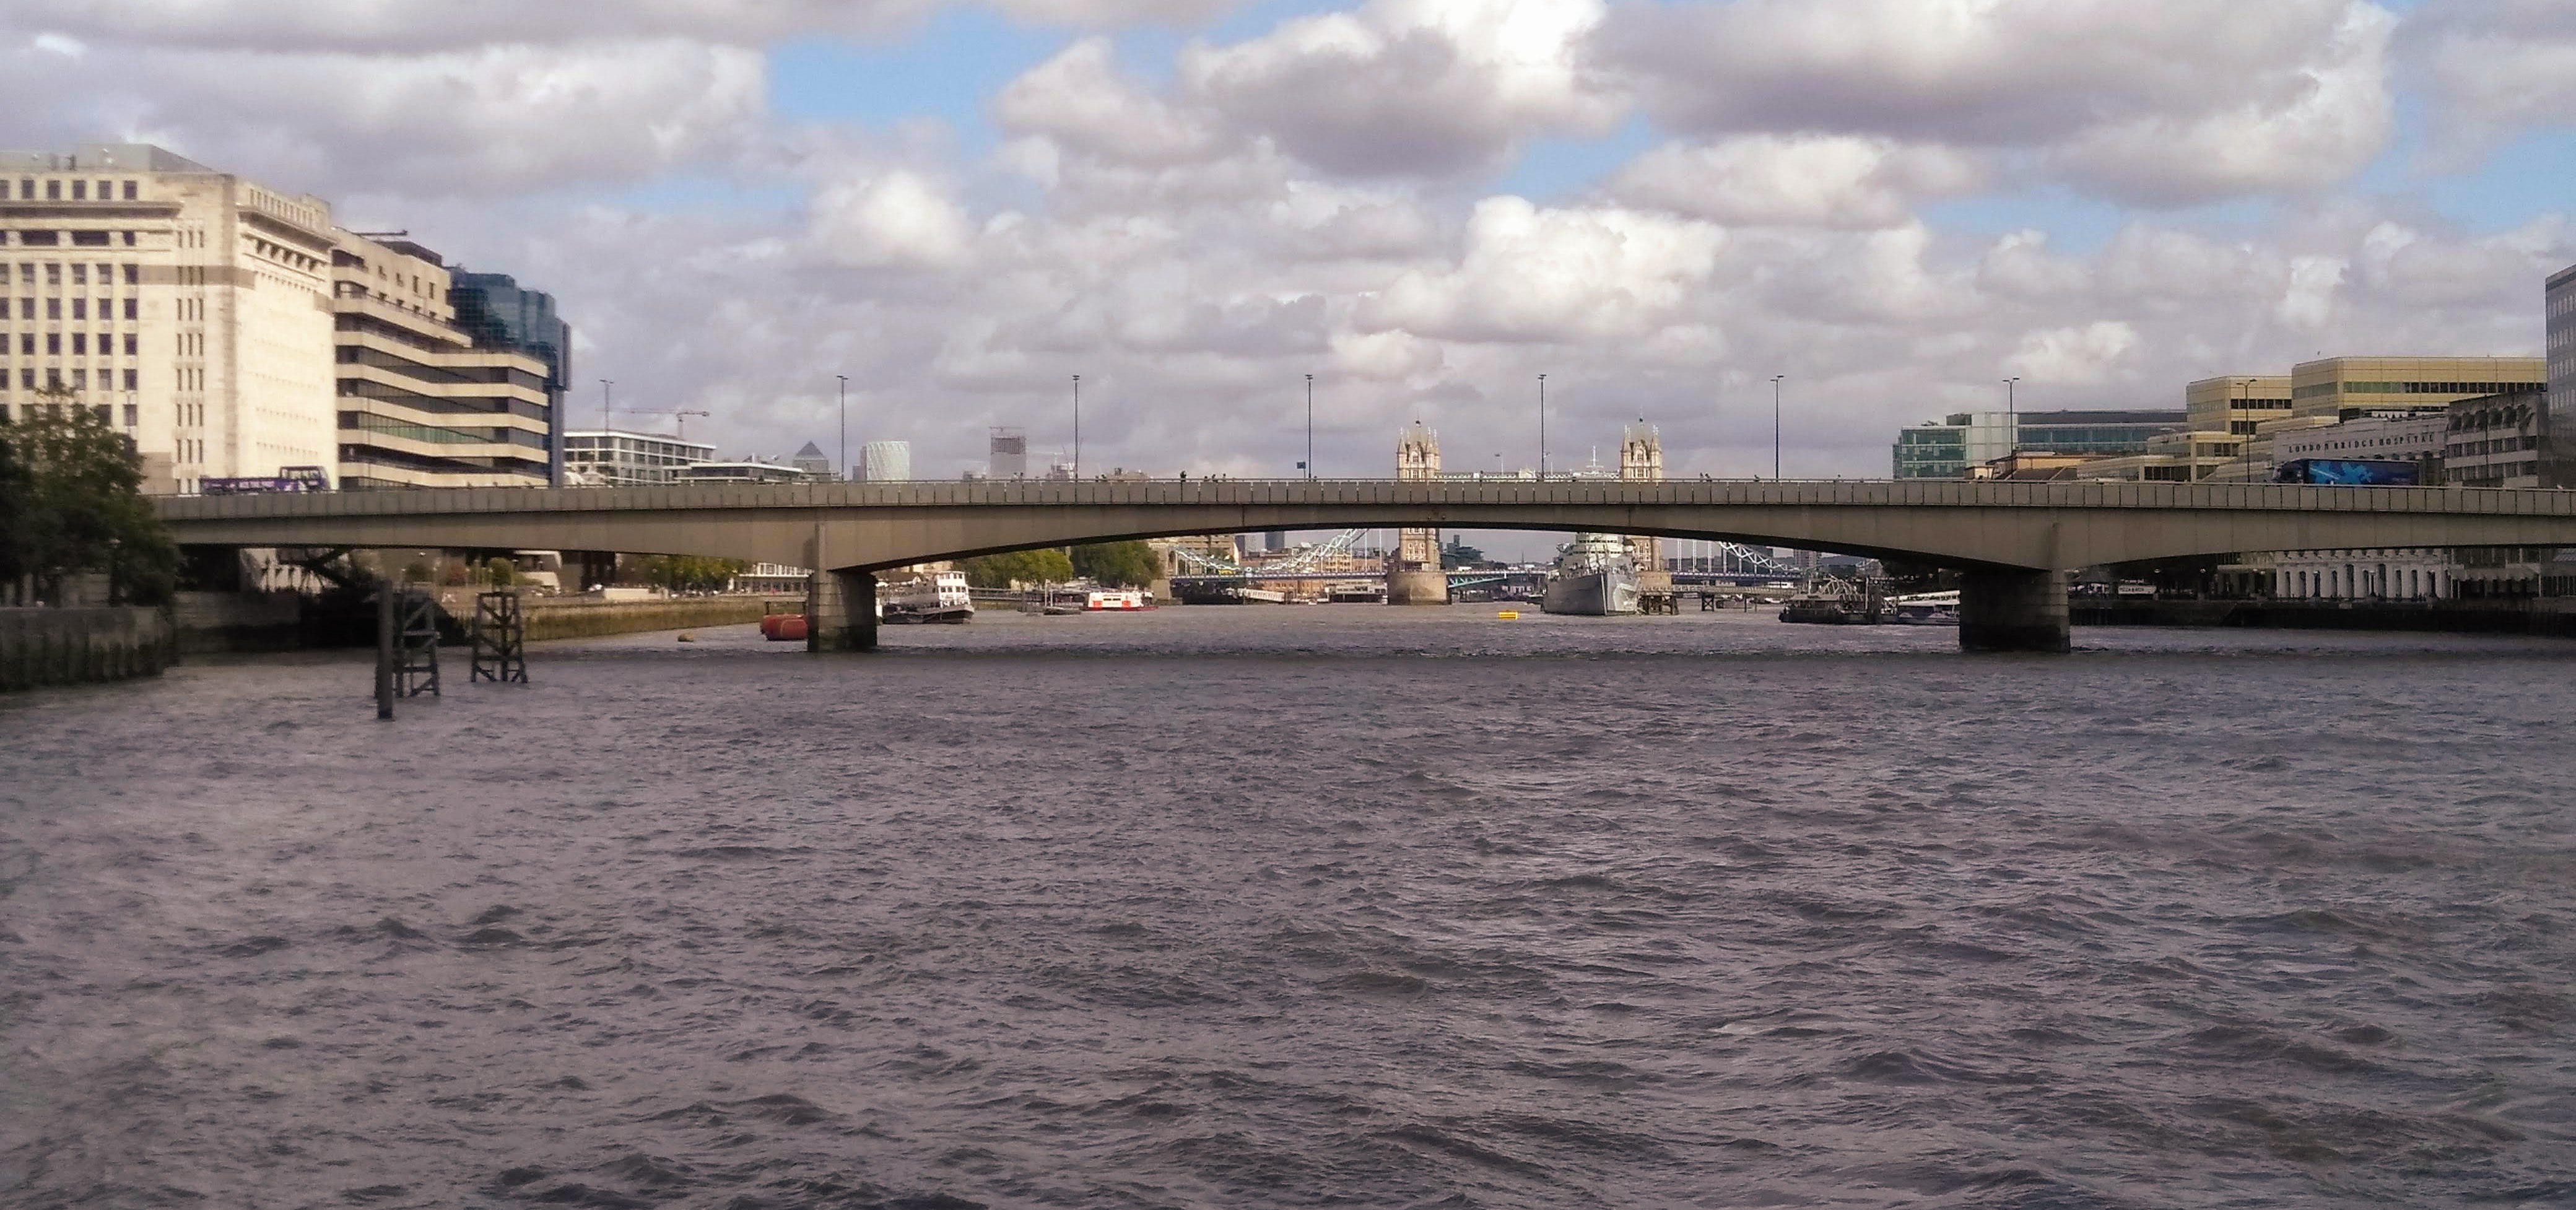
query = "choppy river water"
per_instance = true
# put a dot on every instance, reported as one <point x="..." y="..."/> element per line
<point x="1290" y="907"/>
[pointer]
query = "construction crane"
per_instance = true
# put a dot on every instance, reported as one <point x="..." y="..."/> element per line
<point x="679" y="417"/>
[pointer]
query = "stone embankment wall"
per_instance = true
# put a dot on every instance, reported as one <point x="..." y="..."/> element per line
<point x="2550" y="616"/>
<point x="574" y="618"/>
<point x="72" y="646"/>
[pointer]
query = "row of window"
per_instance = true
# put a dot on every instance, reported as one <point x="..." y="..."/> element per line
<point x="55" y="410"/>
<point x="79" y="342"/>
<point x="2317" y="389"/>
<point x="2258" y="405"/>
<point x="74" y="379"/>
<point x="80" y="190"/>
<point x="80" y="308"/>
<point x="80" y="274"/>
<point x="73" y="239"/>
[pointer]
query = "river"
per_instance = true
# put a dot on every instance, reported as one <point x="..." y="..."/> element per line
<point x="1298" y="907"/>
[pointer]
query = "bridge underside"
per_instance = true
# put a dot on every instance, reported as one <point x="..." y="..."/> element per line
<point x="2013" y="537"/>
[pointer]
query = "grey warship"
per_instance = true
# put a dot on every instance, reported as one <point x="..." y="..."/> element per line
<point x="1594" y="576"/>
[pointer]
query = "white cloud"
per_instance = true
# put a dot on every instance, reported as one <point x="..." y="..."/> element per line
<point x="1551" y="275"/>
<point x="466" y="121"/>
<point x="1797" y="180"/>
<point x="891" y="219"/>
<point x="2203" y="98"/>
<point x="2497" y="67"/>
<point x="1409" y="86"/>
<point x="2073" y="356"/>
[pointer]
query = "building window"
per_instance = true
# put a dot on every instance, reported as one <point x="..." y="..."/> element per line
<point x="39" y="239"/>
<point x="53" y="191"/>
<point x="53" y="308"/>
<point x="26" y="189"/>
<point x="133" y="272"/>
<point x="80" y="308"/>
<point x="53" y="273"/>
<point x="129" y="308"/>
<point x="129" y="337"/>
<point x="80" y="380"/>
<point x="129" y="385"/>
<point x="129" y="196"/>
<point x="89" y="239"/>
<point x="130" y="416"/>
<point x="80" y="191"/>
<point x="54" y="343"/>
<point x="80" y="344"/>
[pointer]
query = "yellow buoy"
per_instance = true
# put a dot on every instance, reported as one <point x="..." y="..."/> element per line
<point x="1509" y="615"/>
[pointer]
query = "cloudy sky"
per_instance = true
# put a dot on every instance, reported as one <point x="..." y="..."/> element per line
<point x="1423" y="203"/>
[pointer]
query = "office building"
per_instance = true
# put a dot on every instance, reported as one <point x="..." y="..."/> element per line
<point x="885" y="461"/>
<point x="1946" y="448"/>
<point x="190" y="306"/>
<point x="420" y="403"/>
<point x="2494" y="440"/>
<point x="2558" y="308"/>
<point x="2236" y="403"/>
<point x="812" y="461"/>
<point x="498" y="313"/>
<point x="749" y="470"/>
<point x="1007" y="454"/>
<point x="2346" y="388"/>
<point x="2394" y="437"/>
<point x="620" y="458"/>
<point x="231" y="331"/>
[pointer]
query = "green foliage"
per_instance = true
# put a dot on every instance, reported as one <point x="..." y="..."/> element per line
<point x="71" y="494"/>
<point x="1046" y="566"/>
<point x="416" y="572"/>
<point x="499" y="572"/>
<point x="684" y="573"/>
<point x="1118" y="564"/>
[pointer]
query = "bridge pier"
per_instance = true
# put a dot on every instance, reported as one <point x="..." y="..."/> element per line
<point x="2012" y="611"/>
<point x="841" y="612"/>
<point x="1417" y="587"/>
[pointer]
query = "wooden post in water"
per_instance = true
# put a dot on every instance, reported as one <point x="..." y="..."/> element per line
<point x="384" y="649"/>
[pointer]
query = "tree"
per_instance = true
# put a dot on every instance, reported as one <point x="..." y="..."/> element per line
<point x="690" y="572"/>
<point x="74" y="490"/>
<point x="1045" y="566"/>
<point x="1118" y="564"/>
<point x="500" y="572"/>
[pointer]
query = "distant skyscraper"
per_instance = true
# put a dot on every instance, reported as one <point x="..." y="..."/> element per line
<point x="1009" y="454"/>
<point x="813" y="461"/>
<point x="885" y="461"/>
<point x="2558" y="439"/>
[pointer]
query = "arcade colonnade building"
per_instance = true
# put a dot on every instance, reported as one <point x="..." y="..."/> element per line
<point x="230" y="330"/>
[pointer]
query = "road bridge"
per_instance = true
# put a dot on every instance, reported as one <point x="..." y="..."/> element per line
<point x="2012" y="542"/>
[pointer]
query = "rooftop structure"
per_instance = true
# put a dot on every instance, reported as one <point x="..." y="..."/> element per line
<point x="1946" y="448"/>
<point x="621" y="458"/>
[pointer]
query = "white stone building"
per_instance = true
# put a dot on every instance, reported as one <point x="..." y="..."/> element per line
<point x="192" y="305"/>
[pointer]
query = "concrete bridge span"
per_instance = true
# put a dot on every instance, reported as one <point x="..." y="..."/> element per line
<point x="2014" y="541"/>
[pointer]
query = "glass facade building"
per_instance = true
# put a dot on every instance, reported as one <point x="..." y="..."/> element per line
<point x="499" y="314"/>
<point x="1947" y="448"/>
<point x="2557" y="459"/>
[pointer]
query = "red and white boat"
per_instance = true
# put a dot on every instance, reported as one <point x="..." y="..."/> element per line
<point x="1117" y="600"/>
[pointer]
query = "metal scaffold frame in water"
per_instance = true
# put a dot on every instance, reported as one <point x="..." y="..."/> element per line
<point x="500" y="639"/>
<point x="415" y="664"/>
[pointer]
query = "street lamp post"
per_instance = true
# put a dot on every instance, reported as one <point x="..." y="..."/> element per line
<point x="607" y="431"/>
<point x="845" y="425"/>
<point x="1077" y="426"/>
<point x="2012" y="418"/>
<point x="1310" y="426"/>
<point x="1776" y="380"/>
<point x="1542" y="428"/>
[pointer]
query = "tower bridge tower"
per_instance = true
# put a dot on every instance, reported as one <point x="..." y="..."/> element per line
<point x="1641" y="459"/>
<point x="1413" y="575"/>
